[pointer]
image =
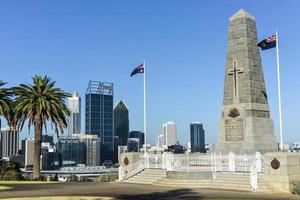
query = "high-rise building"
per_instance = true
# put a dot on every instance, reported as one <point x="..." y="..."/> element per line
<point x="93" y="149"/>
<point x="169" y="132"/>
<point x="80" y="149"/>
<point x="197" y="137"/>
<point x="51" y="160"/>
<point x="9" y="142"/>
<point x="29" y="152"/>
<point x="121" y="123"/>
<point x="74" y="126"/>
<point x="160" y="140"/>
<point x="138" y="134"/>
<point x="48" y="139"/>
<point x="133" y="145"/>
<point x="72" y="150"/>
<point x="99" y="116"/>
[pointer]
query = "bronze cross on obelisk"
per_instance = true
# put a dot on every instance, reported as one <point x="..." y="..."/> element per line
<point x="235" y="72"/>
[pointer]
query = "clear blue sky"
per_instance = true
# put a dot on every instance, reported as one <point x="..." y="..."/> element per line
<point x="183" y="42"/>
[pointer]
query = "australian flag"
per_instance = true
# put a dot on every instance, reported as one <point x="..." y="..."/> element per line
<point x="139" y="69"/>
<point x="268" y="43"/>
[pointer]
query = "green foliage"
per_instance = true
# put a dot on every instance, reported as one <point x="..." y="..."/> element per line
<point x="5" y="100"/>
<point x="9" y="171"/>
<point x="41" y="102"/>
<point x="116" y="165"/>
<point x="107" y="178"/>
<point x="73" y="178"/>
<point x="296" y="188"/>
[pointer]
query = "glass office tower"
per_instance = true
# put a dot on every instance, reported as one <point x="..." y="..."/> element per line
<point x="197" y="137"/>
<point x="73" y="151"/>
<point x="99" y="116"/>
<point x="121" y="123"/>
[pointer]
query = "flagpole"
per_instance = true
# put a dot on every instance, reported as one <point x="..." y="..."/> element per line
<point x="145" y="121"/>
<point x="279" y="93"/>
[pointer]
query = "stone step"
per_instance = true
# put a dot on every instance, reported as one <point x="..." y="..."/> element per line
<point x="154" y="170"/>
<point x="231" y="182"/>
<point x="150" y="172"/>
<point x="137" y="182"/>
<point x="143" y="179"/>
<point x="150" y="176"/>
<point x="232" y="188"/>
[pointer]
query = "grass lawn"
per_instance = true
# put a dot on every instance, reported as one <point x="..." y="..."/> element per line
<point x="25" y="182"/>
<point x="5" y="188"/>
<point x="63" y="198"/>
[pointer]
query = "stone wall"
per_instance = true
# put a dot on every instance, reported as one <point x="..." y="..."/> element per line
<point x="281" y="169"/>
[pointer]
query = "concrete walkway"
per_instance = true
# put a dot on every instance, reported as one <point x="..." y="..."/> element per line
<point x="130" y="191"/>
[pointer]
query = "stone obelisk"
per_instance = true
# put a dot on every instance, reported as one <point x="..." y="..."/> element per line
<point x="245" y="125"/>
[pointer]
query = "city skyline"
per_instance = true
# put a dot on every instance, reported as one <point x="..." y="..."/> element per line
<point x="197" y="53"/>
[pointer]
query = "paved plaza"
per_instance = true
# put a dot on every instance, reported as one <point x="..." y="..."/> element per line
<point x="129" y="191"/>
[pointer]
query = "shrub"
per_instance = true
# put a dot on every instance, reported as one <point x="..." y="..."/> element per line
<point x="73" y="178"/>
<point x="108" y="177"/>
<point x="296" y="188"/>
<point x="10" y="171"/>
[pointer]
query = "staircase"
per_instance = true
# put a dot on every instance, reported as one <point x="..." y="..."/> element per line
<point x="147" y="176"/>
<point x="232" y="181"/>
<point x="223" y="180"/>
<point x="237" y="181"/>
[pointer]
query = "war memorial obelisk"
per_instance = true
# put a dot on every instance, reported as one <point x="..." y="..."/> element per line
<point x="245" y="125"/>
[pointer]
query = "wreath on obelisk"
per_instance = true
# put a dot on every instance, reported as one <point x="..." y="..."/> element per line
<point x="234" y="112"/>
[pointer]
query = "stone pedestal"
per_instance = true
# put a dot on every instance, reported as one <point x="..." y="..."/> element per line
<point x="281" y="168"/>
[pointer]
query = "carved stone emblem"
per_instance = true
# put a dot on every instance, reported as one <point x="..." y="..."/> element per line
<point x="275" y="164"/>
<point x="233" y="112"/>
<point x="126" y="161"/>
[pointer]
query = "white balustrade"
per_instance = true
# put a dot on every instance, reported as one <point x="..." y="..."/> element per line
<point x="213" y="162"/>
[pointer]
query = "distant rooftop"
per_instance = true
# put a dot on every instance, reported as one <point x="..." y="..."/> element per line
<point x="121" y="106"/>
<point x="97" y="87"/>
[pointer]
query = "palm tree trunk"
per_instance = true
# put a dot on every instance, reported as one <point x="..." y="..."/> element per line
<point x="37" y="149"/>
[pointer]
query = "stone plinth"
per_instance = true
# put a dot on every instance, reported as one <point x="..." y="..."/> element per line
<point x="279" y="180"/>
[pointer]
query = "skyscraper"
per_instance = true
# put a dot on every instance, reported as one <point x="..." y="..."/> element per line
<point x="138" y="134"/>
<point x="197" y="137"/>
<point x="9" y="142"/>
<point x="169" y="132"/>
<point x="74" y="126"/>
<point x="121" y="123"/>
<point x="99" y="116"/>
<point x="29" y="151"/>
<point x="160" y="140"/>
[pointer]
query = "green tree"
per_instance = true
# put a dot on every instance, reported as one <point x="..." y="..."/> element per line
<point x="5" y="100"/>
<point x="38" y="103"/>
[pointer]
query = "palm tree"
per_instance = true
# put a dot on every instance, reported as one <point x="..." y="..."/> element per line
<point x="5" y="101"/>
<point x="38" y="103"/>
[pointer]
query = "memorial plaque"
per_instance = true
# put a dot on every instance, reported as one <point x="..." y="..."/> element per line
<point x="234" y="130"/>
